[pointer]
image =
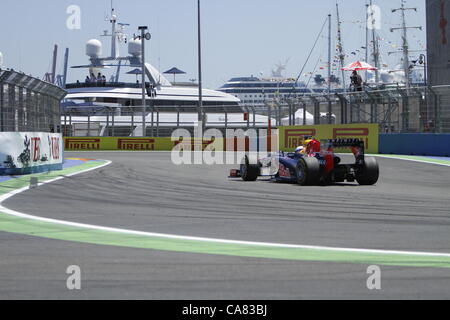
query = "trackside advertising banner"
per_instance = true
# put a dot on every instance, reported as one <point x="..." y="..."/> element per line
<point x="118" y="143"/>
<point x="30" y="152"/>
<point x="149" y="143"/>
<point x="289" y="138"/>
<point x="292" y="136"/>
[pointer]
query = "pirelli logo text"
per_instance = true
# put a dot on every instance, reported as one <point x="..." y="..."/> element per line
<point x="194" y="144"/>
<point x="294" y="137"/>
<point x="137" y="144"/>
<point x="82" y="144"/>
<point x="352" y="133"/>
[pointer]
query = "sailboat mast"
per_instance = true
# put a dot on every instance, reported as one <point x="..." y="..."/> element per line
<point x="405" y="40"/>
<point x="376" y="52"/>
<point x="340" y="46"/>
<point x="367" y="35"/>
<point x="329" y="115"/>
<point x="329" y="53"/>
<point x="405" y="47"/>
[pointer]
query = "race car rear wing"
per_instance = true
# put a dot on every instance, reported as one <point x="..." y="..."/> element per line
<point x="343" y="143"/>
<point x="356" y="145"/>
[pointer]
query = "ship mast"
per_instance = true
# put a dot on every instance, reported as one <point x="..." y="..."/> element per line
<point x="113" y="34"/>
<point x="117" y="35"/>
<point x="376" y="51"/>
<point x="340" y="46"/>
<point x="367" y="35"/>
<point x="329" y="70"/>
<point x="405" y="41"/>
<point x="329" y="53"/>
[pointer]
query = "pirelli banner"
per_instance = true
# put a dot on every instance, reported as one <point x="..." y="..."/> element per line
<point x="30" y="152"/>
<point x="117" y="143"/>
<point x="292" y="136"/>
<point x="289" y="139"/>
<point x="129" y="143"/>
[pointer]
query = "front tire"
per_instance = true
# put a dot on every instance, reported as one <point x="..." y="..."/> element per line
<point x="369" y="173"/>
<point x="308" y="171"/>
<point x="249" y="171"/>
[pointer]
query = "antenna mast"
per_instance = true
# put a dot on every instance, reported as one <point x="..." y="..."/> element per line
<point x="113" y="34"/>
<point x="117" y="33"/>
<point x="405" y="41"/>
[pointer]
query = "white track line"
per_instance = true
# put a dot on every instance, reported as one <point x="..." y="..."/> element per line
<point x="407" y="159"/>
<point x="190" y="238"/>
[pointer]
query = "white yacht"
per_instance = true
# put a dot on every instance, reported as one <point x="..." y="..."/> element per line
<point x="100" y="105"/>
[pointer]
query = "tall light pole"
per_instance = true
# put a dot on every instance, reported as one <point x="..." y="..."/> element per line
<point x="144" y="36"/>
<point x="423" y="61"/>
<point x="200" y="97"/>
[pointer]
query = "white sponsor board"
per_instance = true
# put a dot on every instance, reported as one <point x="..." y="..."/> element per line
<point x="25" y="152"/>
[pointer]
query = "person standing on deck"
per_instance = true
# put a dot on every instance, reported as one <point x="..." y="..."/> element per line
<point x="356" y="80"/>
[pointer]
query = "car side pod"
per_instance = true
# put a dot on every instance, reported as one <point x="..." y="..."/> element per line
<point x="368" y="172"/>
<point x="308" y="171"/>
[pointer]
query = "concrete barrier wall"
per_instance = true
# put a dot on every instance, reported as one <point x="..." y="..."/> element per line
<point x="30" y="152"/>
<point x="427" y="144"/>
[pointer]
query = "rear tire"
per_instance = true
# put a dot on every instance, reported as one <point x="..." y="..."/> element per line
<point x="249" y="170"/>
<point x="369" y="173"/>
<point x="308" y="171"/>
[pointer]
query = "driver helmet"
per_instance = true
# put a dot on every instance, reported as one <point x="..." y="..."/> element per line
<point x="299" y="149"/>
<point x="307" y="139"/>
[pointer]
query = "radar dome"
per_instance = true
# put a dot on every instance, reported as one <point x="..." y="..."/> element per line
<point x="134" y="47"/>
<point x="93" y="48"/>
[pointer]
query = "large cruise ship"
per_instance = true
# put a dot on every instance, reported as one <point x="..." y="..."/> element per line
<point x="105" y="105"/>
<point x="255" y="91"/>
<point x="258" y="92"/>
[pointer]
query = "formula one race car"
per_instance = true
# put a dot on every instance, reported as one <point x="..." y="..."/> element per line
<point x="323" y="167"/>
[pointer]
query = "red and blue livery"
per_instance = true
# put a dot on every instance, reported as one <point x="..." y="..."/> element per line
<point x="318" y="165"/>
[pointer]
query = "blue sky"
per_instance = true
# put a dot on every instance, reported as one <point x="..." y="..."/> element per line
<point x="239" y="37"/>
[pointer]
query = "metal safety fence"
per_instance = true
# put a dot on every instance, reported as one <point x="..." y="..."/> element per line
<point x="160" y="121"/>
<point x="396" y="110"/>
<point x="28" y="104"/>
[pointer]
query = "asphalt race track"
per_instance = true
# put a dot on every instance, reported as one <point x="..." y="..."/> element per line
<point x="408" y="209"/>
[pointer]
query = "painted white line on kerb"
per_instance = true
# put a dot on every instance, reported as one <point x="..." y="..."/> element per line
<point x="191" y="238"/>
<point x="408" y="159"/>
